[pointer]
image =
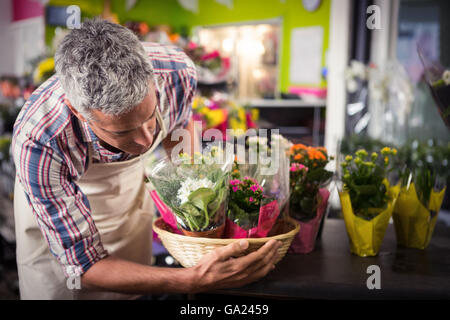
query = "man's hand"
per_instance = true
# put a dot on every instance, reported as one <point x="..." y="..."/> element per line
<point x="220" y="269"/>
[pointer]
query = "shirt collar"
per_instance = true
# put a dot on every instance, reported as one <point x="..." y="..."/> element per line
<point x="88" y="134"/>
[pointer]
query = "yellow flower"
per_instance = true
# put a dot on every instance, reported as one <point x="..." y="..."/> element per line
<point x="238" y="126"/>
<point x="386" y="160"/>
<point x="241" y="115"/>
<point x="348" y="158"/>
<point x="195" y="103"/>
<point x="385" y="151"/>
<point x="394" y="151"/>
<point x="255" y="114"/>
<point x="361" y="153"/>
<point x="369" y="164"/>
<point x="45" y="66"/>
<point x="358" y="161"/>
<point x="374" y="156"/>
<point x="203" y="110"/>
<point x="215" y="117"/>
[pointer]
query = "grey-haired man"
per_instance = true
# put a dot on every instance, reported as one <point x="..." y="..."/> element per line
<point x="81" y="208"/>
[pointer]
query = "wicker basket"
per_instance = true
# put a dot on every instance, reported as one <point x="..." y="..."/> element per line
<point x="189" y="250"/>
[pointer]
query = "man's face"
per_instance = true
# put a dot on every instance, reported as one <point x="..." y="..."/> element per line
<point x="133" y="132"/>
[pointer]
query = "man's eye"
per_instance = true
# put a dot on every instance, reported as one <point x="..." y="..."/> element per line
<point x="120" y="134"/>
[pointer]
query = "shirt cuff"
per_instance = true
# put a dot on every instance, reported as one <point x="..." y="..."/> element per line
<point x="82" y="256"/>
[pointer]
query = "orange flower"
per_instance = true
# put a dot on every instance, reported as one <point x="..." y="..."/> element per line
<point x="298" y="157"/>
<point x="297" y="147"/>
<point x="323" y="149"/>
<point x="315" y="154"/>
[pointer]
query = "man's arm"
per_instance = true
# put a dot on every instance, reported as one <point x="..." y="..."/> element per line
<point x="216" y="270"/>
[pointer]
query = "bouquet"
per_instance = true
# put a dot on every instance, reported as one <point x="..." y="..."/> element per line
<point x="438" y="80"/>
<point x="258" y="191"/>
<point x="222" y="113"/>
<point x="307" y="176"/>
<point x="251" y="213"/>
<point x="195" y="189"/>
<point x="273" y="164"/>
<point x="309" y="196"/>
<point x="423" y="173"/>
<point x="367" y="199"/>
<point x="211" y="66"/>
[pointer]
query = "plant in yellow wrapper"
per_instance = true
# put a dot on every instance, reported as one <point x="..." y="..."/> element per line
<point x="423" y="174"/>
<point x="367" y="199"/>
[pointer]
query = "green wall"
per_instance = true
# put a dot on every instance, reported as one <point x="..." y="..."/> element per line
<point x="211" y="13"/>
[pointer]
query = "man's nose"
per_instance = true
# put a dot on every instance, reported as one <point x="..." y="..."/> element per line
<point x="145" y="136"/>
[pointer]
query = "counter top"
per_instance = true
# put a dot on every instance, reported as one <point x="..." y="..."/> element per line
<point x="332" y="272"/>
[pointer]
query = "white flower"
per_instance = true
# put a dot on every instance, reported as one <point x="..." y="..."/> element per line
<point x="190" y="185"/>
<point x="352" y="86"/>
<point x="279" y="140"/>
<point x="358" y="69"/>
<point x="253" y="141"/>
<point x="446" y="77"/>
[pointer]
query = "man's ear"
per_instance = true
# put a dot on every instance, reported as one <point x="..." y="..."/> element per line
<point x="75" y="111"/>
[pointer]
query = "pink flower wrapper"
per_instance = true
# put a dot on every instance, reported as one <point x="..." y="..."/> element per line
<point x="305" y="240"/>
<point x="166" y="213"/>
<point x="268" y="214"/>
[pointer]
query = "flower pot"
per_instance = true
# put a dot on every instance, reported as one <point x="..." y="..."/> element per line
<point x="366" y="236"/>
<point x="213" y="233"/>
<point x="305" y="240"/>
<point x="414" y="223"/>
<point x="267" y="217"/>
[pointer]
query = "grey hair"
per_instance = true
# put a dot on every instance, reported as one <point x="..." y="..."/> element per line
<point x="103" y="66"/>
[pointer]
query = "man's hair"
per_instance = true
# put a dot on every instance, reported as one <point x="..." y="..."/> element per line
<point x="103" y="66"/>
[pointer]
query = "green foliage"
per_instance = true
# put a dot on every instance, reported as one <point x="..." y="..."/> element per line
<point x="425" y="164"/>
<point x="364" y="181"/>
<point x="205" y="205"/>
<point x="245" y="200"/>
<point x="307" y="176"/>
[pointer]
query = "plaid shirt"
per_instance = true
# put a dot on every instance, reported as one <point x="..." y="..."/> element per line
<point x="50" y="149"/>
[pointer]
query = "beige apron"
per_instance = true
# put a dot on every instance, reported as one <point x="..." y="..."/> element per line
<point x="122" y="211"/>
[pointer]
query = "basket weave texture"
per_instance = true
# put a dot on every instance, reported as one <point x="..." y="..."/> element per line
<point x="189" y="250"/>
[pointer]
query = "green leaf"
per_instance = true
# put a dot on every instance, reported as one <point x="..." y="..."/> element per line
<point x="365" y="189"/>
<point x="215" y="204"/>
<point x="190" y="209"/>
<point x="201" y="198"/>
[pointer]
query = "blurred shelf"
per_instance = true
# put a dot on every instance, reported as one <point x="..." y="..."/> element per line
<point x="288" y="103"/>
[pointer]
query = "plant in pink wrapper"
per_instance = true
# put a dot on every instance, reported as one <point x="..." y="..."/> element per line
<point x="252" y="211"/>
<point x="309" y="196"/>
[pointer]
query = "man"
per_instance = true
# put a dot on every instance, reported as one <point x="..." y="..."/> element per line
<point x="81" y="208"/>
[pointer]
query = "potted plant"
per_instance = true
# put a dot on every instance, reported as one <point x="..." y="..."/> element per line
<point x="252" y="208"/>
<point x="367" y="199"/>
<point x="309" y="196"/>
<point x="423" y="172"/>
<point x="196" y="190"/>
